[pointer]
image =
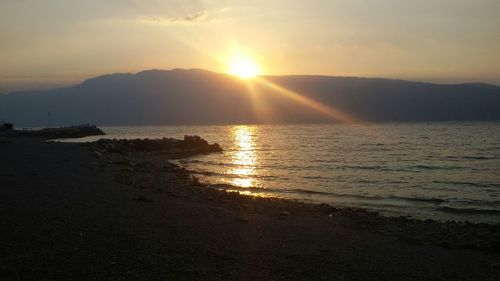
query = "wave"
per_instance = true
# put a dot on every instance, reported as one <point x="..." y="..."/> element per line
<point x="234" y="176"/>
<point x="372" y="198"/>
<point x="315" y="178"/>
<point x="433" y="201"/>
<point x="428" y="167"/>
<point x="376" y="167"/>
<point x="305" y="191"/>
<point x="376" y="201"/>
<point x="413" y="169"/>
<point x="241" y="188"/>
<point x="372" y="144"/>
<point x="190" y="161"/>
<point x="477" y="157"/>
<point x="419" y="199"/>
<point x="471" y="211"/>
<point x="470" y="157"/>
<point x="208" y="162"/>
<point x="486" y="185"/>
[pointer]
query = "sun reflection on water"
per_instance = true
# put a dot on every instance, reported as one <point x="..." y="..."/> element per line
<point x="244" y="157"/>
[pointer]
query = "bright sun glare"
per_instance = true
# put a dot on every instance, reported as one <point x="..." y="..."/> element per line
<point x="243" y="67"/>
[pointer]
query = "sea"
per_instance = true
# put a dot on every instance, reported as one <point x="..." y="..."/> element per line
<point x="444" y="171"/>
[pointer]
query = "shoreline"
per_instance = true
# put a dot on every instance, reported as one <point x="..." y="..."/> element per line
<point x="71" y="213"/>
<point x="261" y="193"/>
<point x="474" y="235"/>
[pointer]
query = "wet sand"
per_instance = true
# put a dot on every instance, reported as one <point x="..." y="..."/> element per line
<point x="67" y="212"/>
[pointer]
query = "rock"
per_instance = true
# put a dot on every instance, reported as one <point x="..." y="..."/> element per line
<point x="190" y="145"/>
<point x="284" y="214"/>
<point x="98" y="154"/>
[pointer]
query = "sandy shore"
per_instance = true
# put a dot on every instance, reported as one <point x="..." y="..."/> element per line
<point x="68" y="213"/>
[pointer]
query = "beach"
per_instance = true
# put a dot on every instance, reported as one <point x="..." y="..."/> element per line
<point x="73" y="211"/>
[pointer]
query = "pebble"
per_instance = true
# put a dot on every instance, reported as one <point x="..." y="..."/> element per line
<point x="284" y="215"/>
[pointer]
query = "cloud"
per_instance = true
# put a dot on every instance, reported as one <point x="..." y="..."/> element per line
<point x="169" y="11"/>
<point x="193" y="17"/>
<point x="54" y="13"/>
<point x="196" y="16"/>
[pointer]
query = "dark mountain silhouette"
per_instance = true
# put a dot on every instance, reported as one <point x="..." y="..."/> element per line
<point x="159" y="97"/>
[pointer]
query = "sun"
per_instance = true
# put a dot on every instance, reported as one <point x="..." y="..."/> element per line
<point x="243" y="67"/>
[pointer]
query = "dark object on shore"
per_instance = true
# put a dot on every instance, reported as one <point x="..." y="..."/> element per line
<point x="60" y="133"/>
<point x="190" y="145"/>
<point x="6" y="127"/>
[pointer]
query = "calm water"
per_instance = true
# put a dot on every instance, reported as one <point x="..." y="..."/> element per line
<point x="448" y="171"/>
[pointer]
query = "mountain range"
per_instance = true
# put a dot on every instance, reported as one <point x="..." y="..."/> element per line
<point x="182" y="97"/>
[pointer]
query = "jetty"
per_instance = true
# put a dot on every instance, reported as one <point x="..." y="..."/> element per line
<point x="54" y="133"/>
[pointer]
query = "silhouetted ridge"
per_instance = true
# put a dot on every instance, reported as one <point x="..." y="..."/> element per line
<point x="196" y="96"/>
<point x="107" y="79"/>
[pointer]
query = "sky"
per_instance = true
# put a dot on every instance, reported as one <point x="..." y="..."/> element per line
<point x="49" y="43"/>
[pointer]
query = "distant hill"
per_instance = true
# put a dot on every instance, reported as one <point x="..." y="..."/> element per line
<point x="159" y="97"/>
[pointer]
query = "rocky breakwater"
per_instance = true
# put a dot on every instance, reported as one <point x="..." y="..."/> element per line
<point x="174" y="148"/>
